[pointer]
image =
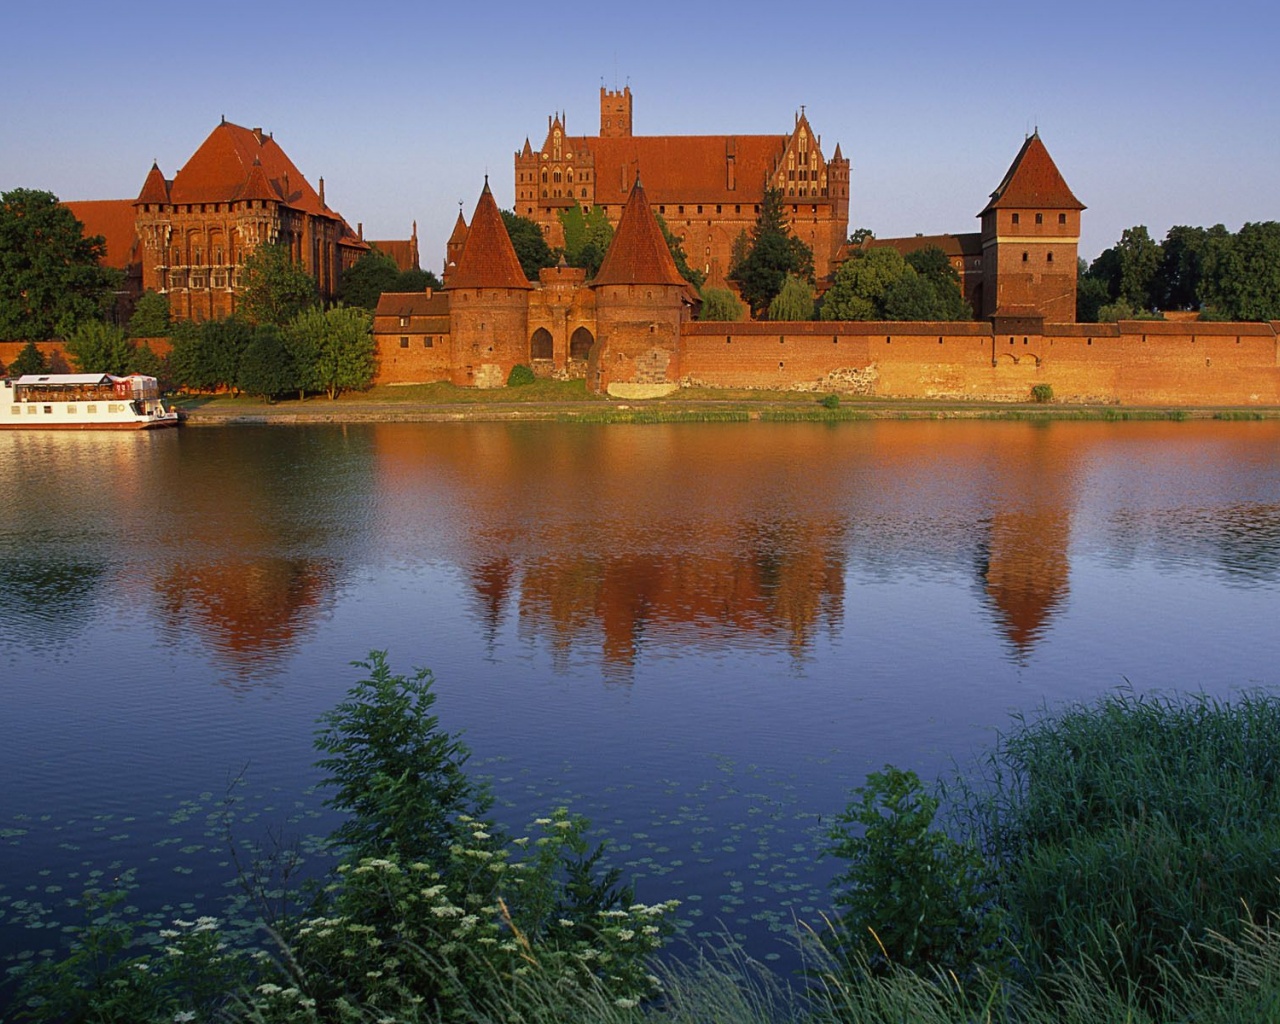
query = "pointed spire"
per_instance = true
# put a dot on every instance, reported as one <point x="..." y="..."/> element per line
<point x="155" y="189"/>
<point x="488" y="258"/>
<point x="256" y="185"/>
<point x="1033" y="179"/>
<point x="638" y="254"/>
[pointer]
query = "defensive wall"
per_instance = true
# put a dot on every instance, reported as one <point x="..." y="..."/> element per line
<point x="1134" y="362"/>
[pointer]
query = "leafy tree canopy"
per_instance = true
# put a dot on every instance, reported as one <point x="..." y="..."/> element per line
<point x="150" y="316"/>
<point x="774" y="253"/>
<point x="694" y="276"/>
<point x="372" y="274"/>
<point x="793" y="302"/>
<point x="95" y="347"/>
<point x="586" y="237"/>
<point x="29" y="360"/>
<point x="861" y="283"/>
<point x="273" y="288"/>
<point x="530" y="244"/>
<point x="206" y="356"/>
<point x="880" y="284"/>
<point x="415" y="279"/>
<point x="1241" y="279"/>
<point x="334" y="350"/>
<point x="266" y="365"/>
<point x="50" y="277"/>
<point x="721" y="304"/>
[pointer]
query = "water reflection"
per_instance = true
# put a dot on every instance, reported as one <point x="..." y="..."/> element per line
<point x="611" y="541"/>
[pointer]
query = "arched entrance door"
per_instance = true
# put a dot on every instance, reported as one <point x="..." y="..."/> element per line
<point x="540" y="345"/>
<point x="580" y="344"/>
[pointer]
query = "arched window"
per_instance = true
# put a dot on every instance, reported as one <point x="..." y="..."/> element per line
<point x="580" y="344"/>
<point x="540" y="344"/>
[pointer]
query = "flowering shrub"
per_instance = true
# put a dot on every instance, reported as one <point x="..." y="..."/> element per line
<point x="406" y="938"/>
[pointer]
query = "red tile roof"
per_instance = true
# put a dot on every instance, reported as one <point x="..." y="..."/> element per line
<point x="488" y="259"/>
<point x="155" y="189"/>
<point x="682" y="168"/>
<point x="425" y="303"/>
<point x="234" y="162"/>
<point x="403" y="250"/>
<point x="113" y="219"/>
<point x="459" y="235"/>
<point x="968" y="244"/>
<point x="1033" y="180"/>
<point x="638" y="254"/>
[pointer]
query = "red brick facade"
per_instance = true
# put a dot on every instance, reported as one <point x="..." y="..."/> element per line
<point x="707" y="188"/>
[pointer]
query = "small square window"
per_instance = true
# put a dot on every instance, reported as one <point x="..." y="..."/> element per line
<point x="404" y="342"/>
<point x="1015" y="218"/>
<point x="1062" y="218"/>
<point x="1039" y="218"/>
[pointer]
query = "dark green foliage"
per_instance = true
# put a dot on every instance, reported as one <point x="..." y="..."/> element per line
<point x="831" y="401"/>
<point x="394" y="770"/>
<point x="880" y="284"/>
<point x="333" y="350"/>
<point x="206" y="356"/>
<point x="95" y="347"/>
<point x="1241" y="273"/>
<point x="266" y="366"/>
<point x="586" y="237"/>
<point x="415" y="279"/>
<point x="861" y="284"/>
<point x="1128" y="831"/>
<point x="530" y="244"/>
<point x="274" y="289"/>
<point x="29" y="360"/>
<point x="692" y="275"/>
<point x="1042" y="392"/>
<point x="519" y="376"/>
<point x="773" y="254"/>
<point x="150" y="316"/>
<point x="372" y="274"/>
<point x="50" y="275"/>
<point x="1092" y="293"/>
<point x="911" y="896"/>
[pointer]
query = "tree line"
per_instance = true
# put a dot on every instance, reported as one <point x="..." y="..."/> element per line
<point x="1220" y="274"/>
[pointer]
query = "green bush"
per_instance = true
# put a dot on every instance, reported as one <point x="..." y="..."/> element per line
<point x="519" y="376"/>
<point x="911" y="895"/>
<point x="831" y="401"/>
<point x="1042" y="393"/>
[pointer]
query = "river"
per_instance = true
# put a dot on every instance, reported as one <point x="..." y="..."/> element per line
<point x="701" y="636"/>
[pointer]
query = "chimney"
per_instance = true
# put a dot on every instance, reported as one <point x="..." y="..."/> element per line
<point x="257" y="134"/>
<point x="322" y="202"/>
<point x="360" y="230"/>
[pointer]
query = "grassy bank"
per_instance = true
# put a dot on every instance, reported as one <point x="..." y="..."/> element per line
<point x="569" y="401"/>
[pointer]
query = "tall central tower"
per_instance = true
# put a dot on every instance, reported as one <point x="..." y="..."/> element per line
<point x="615" y="113"/>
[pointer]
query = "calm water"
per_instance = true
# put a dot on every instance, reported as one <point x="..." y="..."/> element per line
<point x="701" y="636"/>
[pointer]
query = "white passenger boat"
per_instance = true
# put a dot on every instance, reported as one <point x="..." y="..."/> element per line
<point x="83" y="401"/>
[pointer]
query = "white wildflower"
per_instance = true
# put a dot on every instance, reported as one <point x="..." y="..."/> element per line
<point x="269" y="989"/>
<point x="626" y="934"/>
<point x="626" y="1004"/>
<point x="542" y="821"/>
<point x="183" y="1016"/>
<point x="206" y="924"/>
<point x="565" y="923"/>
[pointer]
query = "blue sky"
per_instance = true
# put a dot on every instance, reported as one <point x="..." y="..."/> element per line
<point x="1156" y="113"/>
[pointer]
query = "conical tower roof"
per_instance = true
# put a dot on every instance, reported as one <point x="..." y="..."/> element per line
<point x="488" y="258"/>
<point x="1033" y="180"/>
<point x="155" y="189"/>
<point x="638" y="254"/>
<point x="459" y="235"/>
<point x="256" y="186"/>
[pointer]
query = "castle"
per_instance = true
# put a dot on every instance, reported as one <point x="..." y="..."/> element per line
<point x="707" y="188"/>
<point x="187" y="237"/>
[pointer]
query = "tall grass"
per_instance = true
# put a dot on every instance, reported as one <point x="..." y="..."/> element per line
<point x="1130" y="832"/>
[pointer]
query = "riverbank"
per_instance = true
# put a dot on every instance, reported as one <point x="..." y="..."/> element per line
<point x="568" y="401"/>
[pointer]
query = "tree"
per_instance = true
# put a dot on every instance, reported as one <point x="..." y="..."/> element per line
<point x="50" y="277"/>
<point x="859" y="235"/>
<point x="721" y="304"/>
<point x="334" y="351"/>
<point x="1129" y="268"/>
<point x="586" y="237"/>
<point x="29" y="360"/>
<point x="861" y="284"/>
<point x="206" y="356"/>
<point x="145" y="361"/>
<point x="932" y="264"/>
<point x="1241" y="278"/>
<point x="266" y="366"/>
<point x="793" y="302"/>
<point x="1177" y="280"/>
<point x="529" y="243"/>
<point x="399" y="776"/>
<point x="774" y="254"/>
<point x="274" y="289"/>
<point x="95" y="347"/>
<point x="372" y="274"/>
<point x="415" y="279"/>
<point x="690" y="274"/>
<point x="1092" y="293"/>
<point x="150" y="316"/>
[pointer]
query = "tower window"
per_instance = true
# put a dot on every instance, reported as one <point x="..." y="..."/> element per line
<point x="1062" y="218"/>
<point x="1039" y="218"/>
<point x="1024" y="257"/>
<point x="1049" y="258"/>
<point x="1015" y="218"/>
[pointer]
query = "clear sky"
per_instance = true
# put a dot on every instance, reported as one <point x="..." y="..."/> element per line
<point x="1157" y="113"/>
